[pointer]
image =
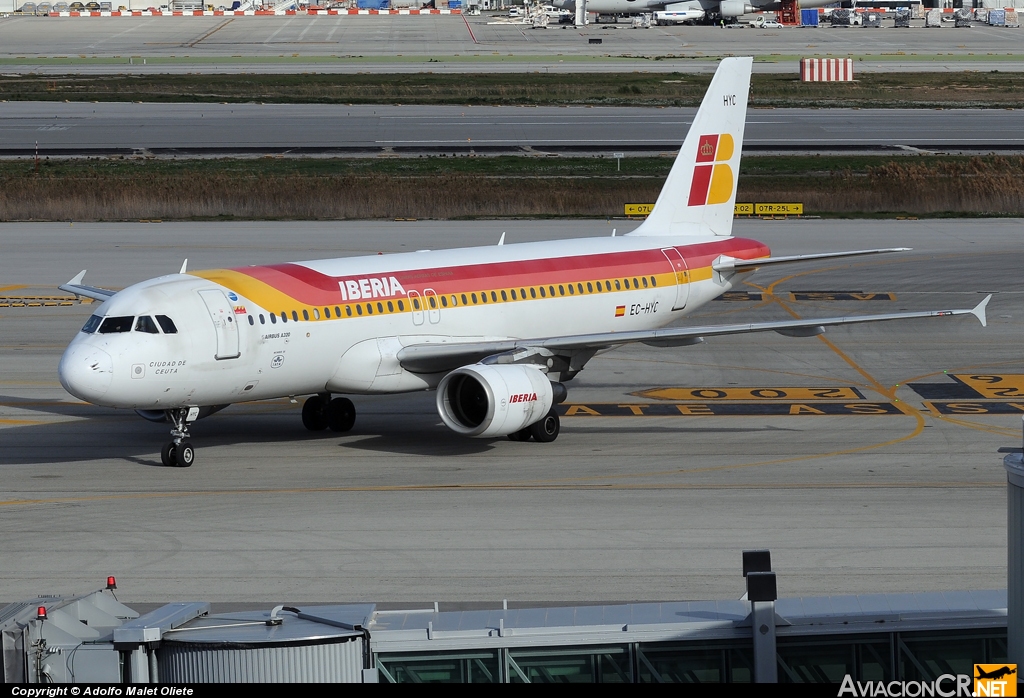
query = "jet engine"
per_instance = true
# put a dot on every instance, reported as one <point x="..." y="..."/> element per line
<point x="734" y="8"/>
<point x="484" y="401"/>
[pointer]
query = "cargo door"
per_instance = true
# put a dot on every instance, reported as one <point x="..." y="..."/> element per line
<point x="223" y="316"/>
<point x="681" y="275"/>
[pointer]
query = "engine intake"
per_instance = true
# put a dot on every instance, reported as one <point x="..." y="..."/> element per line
<point x="486" y="401"/>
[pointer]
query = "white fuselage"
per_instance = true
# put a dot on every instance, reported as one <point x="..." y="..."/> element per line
<point x="237" y="338"/>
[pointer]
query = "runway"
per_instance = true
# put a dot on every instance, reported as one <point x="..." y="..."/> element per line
<point x="64" y="129"/>
<point x="841" y="454"/>
<point x="455" y="43"/>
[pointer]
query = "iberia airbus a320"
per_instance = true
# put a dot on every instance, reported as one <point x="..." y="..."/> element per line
<point x="496" y="331"/>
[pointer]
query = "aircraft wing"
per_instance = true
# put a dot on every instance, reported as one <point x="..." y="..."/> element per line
<point x="727" y="265"/>
<point x="76" y="287"/>
<point x="438" y="357"/>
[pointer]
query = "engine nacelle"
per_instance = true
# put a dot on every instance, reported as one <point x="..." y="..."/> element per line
<point x="485" y="401"/>
<point x="734" y="8"/>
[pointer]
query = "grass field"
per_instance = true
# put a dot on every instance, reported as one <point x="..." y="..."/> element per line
<point x="880" y="90"/>
<point x="468" y="187"/>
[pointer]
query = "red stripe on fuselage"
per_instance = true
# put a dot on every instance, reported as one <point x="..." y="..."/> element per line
<point x="311" y="287"/>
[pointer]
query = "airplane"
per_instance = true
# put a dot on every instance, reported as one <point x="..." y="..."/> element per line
<point x="497" y="331"/>
<point x="712" y="10"/>
<point x="994" y="674"/>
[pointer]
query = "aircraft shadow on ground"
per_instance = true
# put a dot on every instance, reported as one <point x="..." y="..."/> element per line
<point x="103" y="433"/>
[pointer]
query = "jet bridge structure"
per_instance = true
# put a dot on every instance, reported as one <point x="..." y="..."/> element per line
<point x="93" y="638"/>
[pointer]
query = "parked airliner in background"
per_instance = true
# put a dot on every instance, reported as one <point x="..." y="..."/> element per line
<point x="495" y="330"/>
<point x="712" y="9"/>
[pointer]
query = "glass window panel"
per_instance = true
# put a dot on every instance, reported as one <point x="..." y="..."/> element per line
<point x="597" y="664"/>
<point x="440" y="667"/>
<point x="829" y="660"/>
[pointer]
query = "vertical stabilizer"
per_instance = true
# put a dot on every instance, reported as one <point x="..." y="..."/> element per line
<point x="700" y="191"/>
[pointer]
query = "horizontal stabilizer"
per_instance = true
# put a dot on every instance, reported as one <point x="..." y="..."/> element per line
<point x="76" y="287"/>
<point x="739" y="265"/>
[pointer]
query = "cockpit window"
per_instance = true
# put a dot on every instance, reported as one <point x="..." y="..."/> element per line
<point x="145" y="324"/>
<point x="92" y="323"/>
<point x="166" y="324"/>
<point x="114" y="325"/>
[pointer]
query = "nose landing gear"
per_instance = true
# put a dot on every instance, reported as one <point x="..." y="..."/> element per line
<point x="178" y="453"/>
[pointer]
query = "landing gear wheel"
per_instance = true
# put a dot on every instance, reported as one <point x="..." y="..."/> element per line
<point x="546" y="430"/>
<point x="169" y="455"/>
<point x="521" y="435"/>
<point x="314" y="413"/>
<point x="341" y="414"/>
<point x="185" y="454"/>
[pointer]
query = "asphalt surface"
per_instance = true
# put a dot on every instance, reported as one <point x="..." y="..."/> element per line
<point x="239" y="129"/>
<point x="888" y="489"/>
<point x="454" y="43"/>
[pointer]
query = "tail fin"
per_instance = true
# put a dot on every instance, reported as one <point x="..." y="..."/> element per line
<point x="700" y="192"/>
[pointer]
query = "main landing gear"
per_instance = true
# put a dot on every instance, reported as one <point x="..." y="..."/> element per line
<point x="178" y="453"/>
<point x="321" y="412"/>
<point x="545" y="431"/>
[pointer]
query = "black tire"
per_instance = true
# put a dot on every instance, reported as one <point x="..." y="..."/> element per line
<point x="185" y="455"/>
<point x="314" y="414"/>
<point x="168" y="455"/>
<point x="546" y="430"/>
<point x="341" y="414"/>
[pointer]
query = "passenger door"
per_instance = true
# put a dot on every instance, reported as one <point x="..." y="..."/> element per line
<point x="223" y="317"/>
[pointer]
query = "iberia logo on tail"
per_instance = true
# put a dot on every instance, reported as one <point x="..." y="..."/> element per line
<point x="712" y="177"/>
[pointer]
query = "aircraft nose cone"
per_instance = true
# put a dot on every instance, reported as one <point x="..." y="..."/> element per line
<point x="86" y="372"/>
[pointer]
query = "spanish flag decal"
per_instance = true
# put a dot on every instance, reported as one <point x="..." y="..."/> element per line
<point x="620" y="310"/>
<point x="712" y="182"/>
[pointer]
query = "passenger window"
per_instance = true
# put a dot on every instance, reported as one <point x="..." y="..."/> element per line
<point x="654" y="282"/>
<point x="513" y="294"/>
<point x="580" y="287"/>
<point x="590" y="288"/>
<point x="115" y="325"/>
<point x="543" y="294"/>
<point x="348" y="310"/>
<point x="571" y="290"/>
<point x="166" y="324"/>
<point x="401" y="306"/>
<point x="645" y="282"/>
<point x="561" y="291"/>
<point x="416" y="303"/>
<point x="305" y="315"/>
<point x="263" y="320"/>
<point x="251" y="321"/>
<point x="273" y="319"/>
<point x="295" y="316"/>
<point x="522" y="293"/>
<point x="618" y="285"/>
<point x="533" y="292"/>
<point x="327" y="313"/>
<point x="444" y="301"/>
<point x="145" y="323"/>
<point x="504" y="296"/>
<point x="380" y="307"/>
<point x="391" y="307"/>
<point x="337" y="311"/>
<point x="433" y="301"/>
<point x="92" y="323"/>
<point x="316" y="314"/>
<point x="464" y="299"/>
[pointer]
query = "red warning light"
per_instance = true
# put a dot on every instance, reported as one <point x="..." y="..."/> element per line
<point x="111" y="583"/>
<point x="41" y="613"/>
